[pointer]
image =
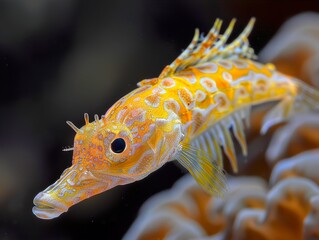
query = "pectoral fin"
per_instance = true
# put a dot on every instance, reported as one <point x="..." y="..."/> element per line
<point x="208" y="174"/>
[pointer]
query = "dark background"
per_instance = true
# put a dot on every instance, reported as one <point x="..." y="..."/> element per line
<point x="61" y="58"/>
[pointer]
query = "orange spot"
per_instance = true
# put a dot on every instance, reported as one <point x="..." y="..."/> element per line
<point x="208" y="68"/>
<point x="186" y="97"/>
<point x="198" y="121"/>
<point x="208" y="84"/>
<point x="146" y="82"/>
<point x="200" y="96"/>
<point x="153" y="100"/>
<point x="172" y="105"/>
<point x="168" y="82"/>
<point x="221" y="100"/>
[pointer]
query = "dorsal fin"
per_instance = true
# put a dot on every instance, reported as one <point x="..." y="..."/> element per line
<point x="212" y="47"/>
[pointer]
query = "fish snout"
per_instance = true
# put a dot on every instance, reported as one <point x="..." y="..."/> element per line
<point x="74" y="185"/>
<point x="46" y="207"/>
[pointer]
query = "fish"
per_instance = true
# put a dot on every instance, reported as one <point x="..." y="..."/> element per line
<point x="193" y="112"/>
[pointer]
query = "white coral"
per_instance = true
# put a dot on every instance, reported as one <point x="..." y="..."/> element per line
<point x="247" y="205"/>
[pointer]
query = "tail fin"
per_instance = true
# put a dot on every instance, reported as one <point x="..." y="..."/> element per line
<point x="306" y="100"/>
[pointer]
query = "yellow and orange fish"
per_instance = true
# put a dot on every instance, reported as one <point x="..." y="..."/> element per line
<point x="185" y="114"/>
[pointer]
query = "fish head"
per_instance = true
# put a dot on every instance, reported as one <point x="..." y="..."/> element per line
<point x="98" y="153"/>
<point x="107" y="153"/>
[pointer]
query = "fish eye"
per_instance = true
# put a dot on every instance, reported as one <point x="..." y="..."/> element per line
<point x="118" y="145"/>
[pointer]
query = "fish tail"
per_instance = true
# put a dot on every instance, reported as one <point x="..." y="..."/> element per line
<point x="305" y="99"/>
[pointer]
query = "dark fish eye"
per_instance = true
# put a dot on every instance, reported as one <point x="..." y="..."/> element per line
<point x="118" y="145"/>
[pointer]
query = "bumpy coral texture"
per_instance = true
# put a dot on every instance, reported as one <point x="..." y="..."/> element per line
<point x="286" y="208"/>
<point x="286" y="204"/>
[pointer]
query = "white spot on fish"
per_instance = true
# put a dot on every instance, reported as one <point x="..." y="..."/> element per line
<point x="222" y="101"/>
<point x="168" y="83"/>
<point x="186" y="97"/>
<point x="241" y="64"/>
<point x="171" y="105"/>
<point x="200" y="96"/>
<point x="153" y="100"/>
<point x="225" y="64"/>
<point x="227" y="76"/>
<point x="208" y="68"/>
<point x="209" y="84"/>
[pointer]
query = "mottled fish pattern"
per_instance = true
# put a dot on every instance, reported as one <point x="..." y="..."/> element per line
<point x="187" y="114"/>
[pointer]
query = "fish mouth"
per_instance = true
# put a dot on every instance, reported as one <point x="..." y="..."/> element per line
<point x="47" y="207"/>
<point x="73" y="186"/>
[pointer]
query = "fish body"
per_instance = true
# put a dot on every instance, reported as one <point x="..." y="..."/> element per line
<point x="185" y="114"/>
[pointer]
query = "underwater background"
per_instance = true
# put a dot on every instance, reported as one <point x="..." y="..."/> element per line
<point x="62" y="58"/>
